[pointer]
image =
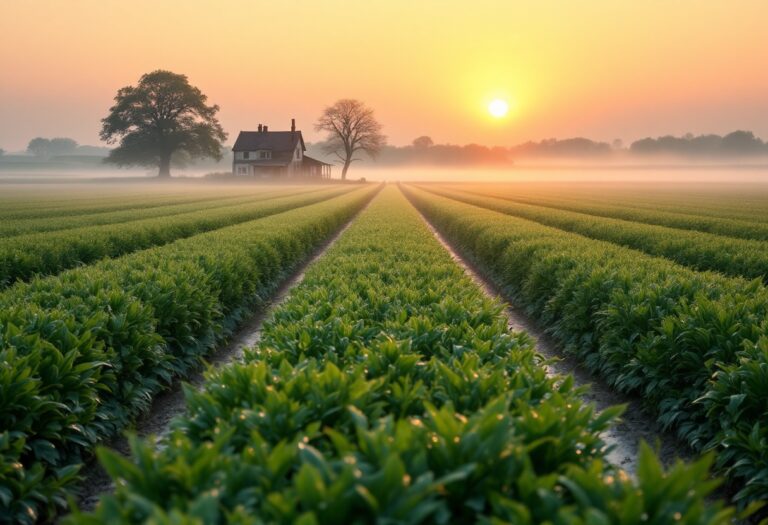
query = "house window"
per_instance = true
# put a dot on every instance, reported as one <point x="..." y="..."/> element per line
<point x="265" y="154"/>
<point x="246" y="154"/>
<point x="242" y="170"/>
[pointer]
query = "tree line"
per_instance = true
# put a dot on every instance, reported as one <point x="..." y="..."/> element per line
<point x="423" y="150"/>
<point x="737" y="143"/>
<point x="164" y="120"/>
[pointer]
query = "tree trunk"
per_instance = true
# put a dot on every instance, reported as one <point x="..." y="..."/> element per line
<point x="347" y="162"/>
<point x="165" y="166"/>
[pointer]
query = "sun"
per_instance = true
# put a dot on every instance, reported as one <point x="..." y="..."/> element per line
<point x="498" y="108"/>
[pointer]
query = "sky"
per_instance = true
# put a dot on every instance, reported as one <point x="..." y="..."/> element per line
<point x="603" y="69"/>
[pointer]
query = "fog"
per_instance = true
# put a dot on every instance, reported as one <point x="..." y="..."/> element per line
<point x="691" y="175"/>
<point x="684" y="176"/>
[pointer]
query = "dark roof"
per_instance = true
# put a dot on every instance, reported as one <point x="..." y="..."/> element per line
<point x="315" y="162"/>
<point x="271" y="140"/>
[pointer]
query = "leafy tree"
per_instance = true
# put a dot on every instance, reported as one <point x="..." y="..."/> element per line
<point x="423" y="142"/>
<point x="161" y="116"/>
<point x="352" y="128"/>
<point x="63" y="146"/>
<point x="41" y="147"/>
<point x="740" y="142"/>
<point x="2" y="152"/>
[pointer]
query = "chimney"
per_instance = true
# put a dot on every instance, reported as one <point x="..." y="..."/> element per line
<point x="265" y="128"/>
<point x="259" y="128"/>
<point x="293" y="125"/>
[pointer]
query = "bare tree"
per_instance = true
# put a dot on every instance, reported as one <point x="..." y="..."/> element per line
<point x="352" y="128"/>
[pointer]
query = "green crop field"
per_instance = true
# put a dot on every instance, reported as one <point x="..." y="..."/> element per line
<point x="382" y="383"/>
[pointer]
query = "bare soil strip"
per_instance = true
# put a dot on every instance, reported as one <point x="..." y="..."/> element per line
<point x="170" y="403"/>
<point x="635" y="425"/>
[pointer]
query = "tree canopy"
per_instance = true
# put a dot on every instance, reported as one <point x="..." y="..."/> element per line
<point x="351" y="127"/>
<point x="159" y="117"/>
<point x="423" y="142"/>
<point x="41" y="147"/>
<point x="736" y="143"/>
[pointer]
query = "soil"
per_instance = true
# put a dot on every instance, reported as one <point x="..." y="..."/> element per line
<point x="171" y="403"/>
<point x="635" y="425"/>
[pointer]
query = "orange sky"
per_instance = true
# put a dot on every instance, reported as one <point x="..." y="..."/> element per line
<point x="599" y="68"/>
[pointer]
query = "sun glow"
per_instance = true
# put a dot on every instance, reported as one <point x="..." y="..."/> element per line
<point x="498" y="108"/>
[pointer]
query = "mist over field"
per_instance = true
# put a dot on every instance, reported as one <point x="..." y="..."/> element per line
<point x="402" y="262"/>
<point x="688" y="177"/>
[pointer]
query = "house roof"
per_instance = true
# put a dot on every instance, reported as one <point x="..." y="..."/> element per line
<point x="275" y="141"/>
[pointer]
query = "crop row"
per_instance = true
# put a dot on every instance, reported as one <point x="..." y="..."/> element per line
<point x="722" y="206"/>
<point x="51" y="252"/>
<point x="13" y="227"/>
<point x="388" y="389"/>
<point x="698" y="250"/>
<point x="743" y="204"/>
<point x="742" y="229"/>
<point x="84" y="352"/>
<point x="738" y="202"/>
<point x="21" y="205"/>
<point x="691" y="344"/>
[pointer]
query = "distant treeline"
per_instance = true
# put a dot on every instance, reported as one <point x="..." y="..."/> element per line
<point x="736" y="144"/>
<point x="570" y="148"/>
<point x="57" y="147"/>
<point x="424" y="151"/>
<point x="65" y="152"/>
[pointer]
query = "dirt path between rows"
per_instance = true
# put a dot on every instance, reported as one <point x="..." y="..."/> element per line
<point x="171" y="402"/>
<point x="635" y="425"/>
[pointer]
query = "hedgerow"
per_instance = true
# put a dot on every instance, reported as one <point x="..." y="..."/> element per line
<point x="388" y="389"/>
<point x="46" y="253"/>
<point x="83" y="353"/>
<point x="690" y="344"/>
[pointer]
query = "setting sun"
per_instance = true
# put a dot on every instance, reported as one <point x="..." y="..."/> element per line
<point x="498" y="108"/>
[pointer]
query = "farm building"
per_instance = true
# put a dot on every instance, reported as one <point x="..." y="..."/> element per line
<point x="265" y="153"/>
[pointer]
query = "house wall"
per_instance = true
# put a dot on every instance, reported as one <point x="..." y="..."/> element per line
<point x="240" y="169"/>
<point x="245" y="169"/>
<point x="294" y="168"/>
<point x="252" y="155"/>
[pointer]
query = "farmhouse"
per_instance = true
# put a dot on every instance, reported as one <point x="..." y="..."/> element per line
<point x="265" y="153"/>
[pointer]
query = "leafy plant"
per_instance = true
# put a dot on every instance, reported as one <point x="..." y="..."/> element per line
<point x="684" y="341"/>
<point x="387" y="388"/>
<point x="83" y="353"/>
